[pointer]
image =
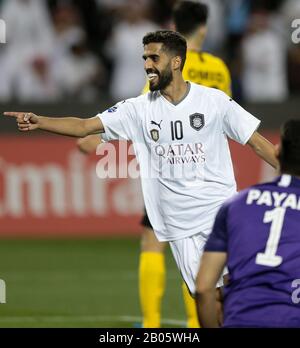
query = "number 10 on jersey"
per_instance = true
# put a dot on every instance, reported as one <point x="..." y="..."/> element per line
<point x="176" y="130"/>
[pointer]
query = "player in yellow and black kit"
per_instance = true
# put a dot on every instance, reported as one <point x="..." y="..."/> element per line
<point x="207" y="70"/>
<point x="190" y="19"/>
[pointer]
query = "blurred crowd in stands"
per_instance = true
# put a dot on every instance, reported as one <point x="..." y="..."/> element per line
<point x="83" y="49"/>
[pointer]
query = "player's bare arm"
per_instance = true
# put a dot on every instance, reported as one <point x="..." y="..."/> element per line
<point x="264" y="149"/>
<point x="71" y="126"/>
<point x="89" y="144"/>
<point x="212" y="265"/>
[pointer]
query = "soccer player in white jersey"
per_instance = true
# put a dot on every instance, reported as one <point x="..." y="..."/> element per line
<point x="181" y="129"/>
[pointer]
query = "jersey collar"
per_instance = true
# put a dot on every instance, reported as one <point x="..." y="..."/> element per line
<point x="183" y="98"/>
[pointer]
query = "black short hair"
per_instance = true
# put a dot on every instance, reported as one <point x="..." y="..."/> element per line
<point x="188" y="15"/>
<point x="172" y="42"/>
<point x="289" y="156"/>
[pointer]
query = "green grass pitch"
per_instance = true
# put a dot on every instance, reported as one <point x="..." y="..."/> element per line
<point x="79" y="283"/>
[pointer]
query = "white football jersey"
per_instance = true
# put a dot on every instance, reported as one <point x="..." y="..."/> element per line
<point x="183" y="152"/>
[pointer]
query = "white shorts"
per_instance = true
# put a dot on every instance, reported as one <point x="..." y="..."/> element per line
<point x="187" y="253"/>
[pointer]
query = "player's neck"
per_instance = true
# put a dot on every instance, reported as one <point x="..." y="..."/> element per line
<point x="176" y="91"/>
<point x="194" y="43"/>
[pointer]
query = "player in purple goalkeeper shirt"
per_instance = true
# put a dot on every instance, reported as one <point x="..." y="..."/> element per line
<point x="257" y="234"/>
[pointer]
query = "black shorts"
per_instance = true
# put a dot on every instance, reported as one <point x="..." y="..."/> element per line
<point x="145" y="220"/>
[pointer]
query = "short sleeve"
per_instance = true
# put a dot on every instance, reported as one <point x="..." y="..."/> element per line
<point x="217" y="240"/>
<point x="238" y="124"/>
<point x="119" y="121"/>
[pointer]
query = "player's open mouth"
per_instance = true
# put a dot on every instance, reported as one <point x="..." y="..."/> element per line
<point x="151" y="76"/>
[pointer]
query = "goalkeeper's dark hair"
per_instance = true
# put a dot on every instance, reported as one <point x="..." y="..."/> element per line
<point x="289" y="156"/>
<point x="172" y="41"/>
<point x="189" y="15"/>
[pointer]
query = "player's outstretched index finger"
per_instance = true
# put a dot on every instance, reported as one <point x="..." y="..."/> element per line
<point x="12" y="113"/>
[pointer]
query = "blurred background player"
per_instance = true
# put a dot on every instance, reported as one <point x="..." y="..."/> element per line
<point x="190" y="19"/>
<point x="257" y="235"/>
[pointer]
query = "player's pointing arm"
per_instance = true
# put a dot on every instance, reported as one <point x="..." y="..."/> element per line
<point x="71" y="126"/>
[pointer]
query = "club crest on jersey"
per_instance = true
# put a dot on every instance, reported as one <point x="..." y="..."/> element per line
<point x="154" y="134"/>
<point x="197" y="121"/>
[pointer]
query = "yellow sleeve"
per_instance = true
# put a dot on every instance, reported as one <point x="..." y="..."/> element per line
<point x="225" y="86"/>
<point x="227" y="83"/>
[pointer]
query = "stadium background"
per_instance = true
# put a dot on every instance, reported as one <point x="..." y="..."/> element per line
<point x="69" y="243"/>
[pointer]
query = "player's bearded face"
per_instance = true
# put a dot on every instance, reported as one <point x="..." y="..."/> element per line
<point x="162" y="78"/>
